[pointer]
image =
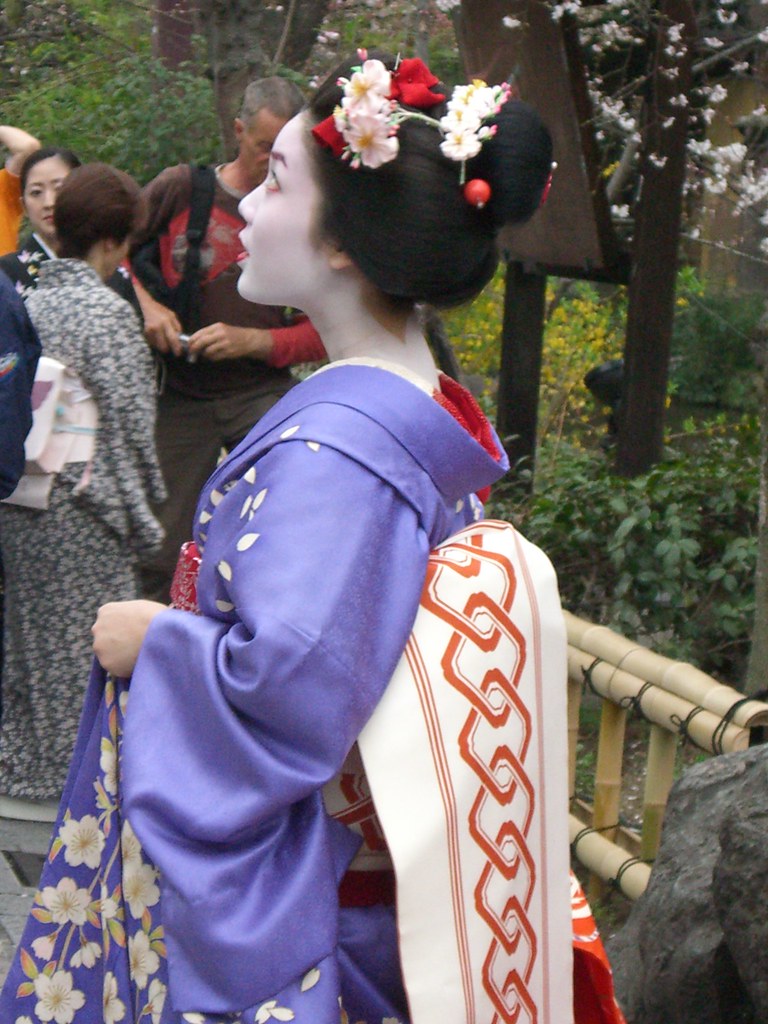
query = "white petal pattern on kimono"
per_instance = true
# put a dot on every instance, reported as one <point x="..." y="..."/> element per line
<point x="270" y="1010"/>
<point x="310" y="979"/>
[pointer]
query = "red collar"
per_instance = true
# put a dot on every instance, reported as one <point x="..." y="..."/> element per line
<point x="462" y="405"/>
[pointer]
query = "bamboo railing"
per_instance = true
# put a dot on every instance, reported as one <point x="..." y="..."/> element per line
<point x="680" y="703"/>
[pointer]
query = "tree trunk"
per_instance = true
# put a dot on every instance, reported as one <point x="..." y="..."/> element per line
<point x="172" y="25"/>
<point x="248" y="39"/>
<point x="421" y="42"/>
<point x="657" y="229"/>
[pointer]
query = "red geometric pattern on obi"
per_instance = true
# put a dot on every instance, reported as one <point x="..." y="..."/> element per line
<point x="505" y="887"/>
<point x="359" y="812"/>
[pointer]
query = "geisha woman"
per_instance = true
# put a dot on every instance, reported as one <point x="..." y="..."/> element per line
<point x="199" y="871"/>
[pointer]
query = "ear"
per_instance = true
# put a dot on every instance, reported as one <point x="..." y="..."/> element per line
<point x="239" y="128"/>
<point x="337" y="258"/>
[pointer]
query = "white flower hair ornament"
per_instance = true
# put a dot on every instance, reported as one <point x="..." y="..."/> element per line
<point x="363" y="128"/>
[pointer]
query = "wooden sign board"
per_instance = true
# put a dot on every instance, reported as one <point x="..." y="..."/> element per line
<point x="572" y="235"/>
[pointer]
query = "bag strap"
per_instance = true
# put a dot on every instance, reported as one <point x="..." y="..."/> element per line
<point x="187" y="303"/>
<point x="200" y="206"/>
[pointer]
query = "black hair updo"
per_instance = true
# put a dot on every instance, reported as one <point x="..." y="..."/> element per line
<point x="406" y="224"/>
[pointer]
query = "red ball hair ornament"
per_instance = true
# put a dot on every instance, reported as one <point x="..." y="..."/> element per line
<point x="477" y="192"/>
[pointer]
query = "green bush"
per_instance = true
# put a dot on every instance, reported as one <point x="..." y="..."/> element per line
<point x="712" y="359"/>
<point x="669" y="556"/>
<point x="134" y="113"/>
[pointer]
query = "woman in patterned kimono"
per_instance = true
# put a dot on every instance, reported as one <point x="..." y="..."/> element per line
<point x="63" y="561"/>
<point x="204" y="881"/>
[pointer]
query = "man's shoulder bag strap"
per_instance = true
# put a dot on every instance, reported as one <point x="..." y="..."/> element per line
<point x="200" y="205"/>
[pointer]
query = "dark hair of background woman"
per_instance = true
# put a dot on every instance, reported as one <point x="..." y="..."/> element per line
<point x="406" y="224"/>
<point x="69" y="158"/>
<point x="95" y="202"/>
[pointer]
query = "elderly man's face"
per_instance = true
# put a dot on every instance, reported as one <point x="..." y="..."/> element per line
<point x="255" y="138"/>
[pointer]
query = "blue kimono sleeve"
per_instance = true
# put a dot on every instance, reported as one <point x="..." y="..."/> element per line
<point x="312" y="573"/>
<point x="19" y="353"/>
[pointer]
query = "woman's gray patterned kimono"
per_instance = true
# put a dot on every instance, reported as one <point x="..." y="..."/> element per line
<point x="63" y="562"/>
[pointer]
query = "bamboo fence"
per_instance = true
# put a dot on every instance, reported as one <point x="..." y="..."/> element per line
<point x="680" y="703"/>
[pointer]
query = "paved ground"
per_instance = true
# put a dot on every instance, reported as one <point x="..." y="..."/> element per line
<point x="23" y="846"/>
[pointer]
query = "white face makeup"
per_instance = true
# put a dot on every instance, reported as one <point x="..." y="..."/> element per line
<point x="285" y="265"/>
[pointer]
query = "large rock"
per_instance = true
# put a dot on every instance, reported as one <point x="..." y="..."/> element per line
<point x="694" y="949"/>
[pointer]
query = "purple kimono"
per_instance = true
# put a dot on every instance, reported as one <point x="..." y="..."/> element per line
<point x="210" y="884"/>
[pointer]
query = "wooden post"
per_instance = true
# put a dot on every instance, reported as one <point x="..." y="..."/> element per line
<point x="657" y="230"/>
<point x="610" y="754"/>
<point x="575" y="690"/>
<point x="522" y="340"/>
<point x="659" y="775"/>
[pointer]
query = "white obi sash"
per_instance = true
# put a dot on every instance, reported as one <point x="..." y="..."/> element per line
<point x="466" y="759"/>
<point x="64" y="425"/>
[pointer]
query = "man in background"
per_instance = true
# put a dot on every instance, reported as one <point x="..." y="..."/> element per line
<point x="19" y="145"/>
<point x="222" y="373"/>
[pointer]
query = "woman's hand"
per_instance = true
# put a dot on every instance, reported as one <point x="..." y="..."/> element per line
<point x="119" y="632"/>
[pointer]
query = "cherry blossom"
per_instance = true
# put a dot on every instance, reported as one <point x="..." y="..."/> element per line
<point x="108" y="765"/>
<point x="83" y="841"/>
<point x="460" y="145"/>
<point x="367" y="90"/>
<point x="108" y="907"/>
<point x="371" y="141"/>
<point x="66" y="903"/>
<point x="43" y="947"/>
<point x="156" y="1000"/>
<point x="113" y="1008"/>
<point x="58" y="1000"/>
<point x="139" y="889"/>
<point x="130" y="847"/>
<point x="86" y="955"/>
<point x="143" y="959"/>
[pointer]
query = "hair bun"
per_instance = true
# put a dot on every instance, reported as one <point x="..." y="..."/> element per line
<point x="516" y="163"/>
